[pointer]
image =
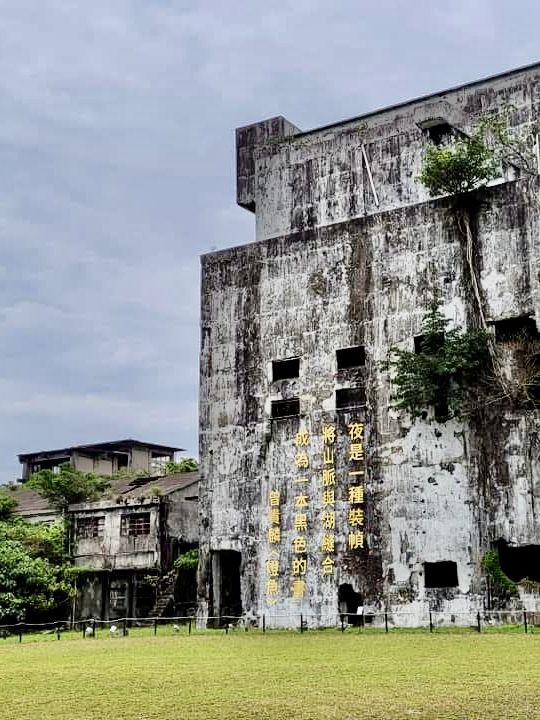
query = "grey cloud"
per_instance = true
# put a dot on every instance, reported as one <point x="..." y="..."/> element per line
<point x="117" y="171"/>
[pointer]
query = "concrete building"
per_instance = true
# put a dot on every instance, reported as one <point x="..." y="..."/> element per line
<point x="317" y="497"/>
<point x="101" y="458"/>
<point x="137" y="529"/>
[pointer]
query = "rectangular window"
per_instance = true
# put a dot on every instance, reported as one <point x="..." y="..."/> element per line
<point x="440" y="574"/>
<point x="429" y="346"/>
<point x="135" y="524"/>
<point x="285" y="369"/>
<point x="515" y="328"/>
<point x="351" y="357"/>
<point x="90" y="527"/>
<point x="350" y="397"/>
<point x="285" y="408"/>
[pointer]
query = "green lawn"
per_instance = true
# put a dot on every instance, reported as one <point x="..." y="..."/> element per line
<point x="315" y="676"/>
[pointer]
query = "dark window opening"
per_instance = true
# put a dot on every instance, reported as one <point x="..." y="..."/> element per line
<point x="122" y="461"/>
<point x="440" y="574"/>
<point x="350" y="397"/>
<point x="191" y="498"/>
<point x="515" y="328"/>
<point x="285" y="369"/>
<point x="135" y="524"/>
<point x="351" y="357"/>
<point x="521" y="562"/>
<point x="90" y="527"/>
<point x="440" y="133"/>
<point x="118" y="599"/>
<point x="349" y="601"/>
<point x="429" y="344"/>
<point x="285" y="408"/>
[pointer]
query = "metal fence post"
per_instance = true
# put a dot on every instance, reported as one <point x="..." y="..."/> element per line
<point x="20" y="633"/>
<point x="189" y="626"/>
<point x="58" y="632"/>
<point x="479" y="627"/>
<point x="385" y="621"/>
<point x="124" y="628"/>
<point x="264" y="624"/>
<point x="525" y="621"/>
<point x="155" y="626"/>
<point x="94" y="628"/>
<point x="301" y="624"/>
<point x="430" y="622"/>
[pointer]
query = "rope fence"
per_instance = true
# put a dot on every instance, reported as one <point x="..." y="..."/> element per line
<point x="185" y="625"/>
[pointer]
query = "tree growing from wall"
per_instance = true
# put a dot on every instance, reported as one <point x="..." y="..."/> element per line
<point x="444" y="372"/>
<point x="468" y="164"/>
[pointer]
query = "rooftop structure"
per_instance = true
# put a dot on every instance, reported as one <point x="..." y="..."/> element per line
<point x="102" y="458"/>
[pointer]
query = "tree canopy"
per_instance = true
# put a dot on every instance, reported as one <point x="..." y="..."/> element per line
<point x="67" y="486"/>
<point x="35" y="575"/>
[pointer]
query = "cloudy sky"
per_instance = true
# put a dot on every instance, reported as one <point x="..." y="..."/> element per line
<point x="117" y="171"/>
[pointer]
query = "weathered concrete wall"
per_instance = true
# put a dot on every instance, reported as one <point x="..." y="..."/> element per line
<point x="113" y="550"/>
<point x="182" y="517"/>
<point x="333" y="270"/>
<point x="320" y="177"/>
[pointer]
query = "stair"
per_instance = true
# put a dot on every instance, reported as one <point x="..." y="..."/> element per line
<point x="165" y="596"/>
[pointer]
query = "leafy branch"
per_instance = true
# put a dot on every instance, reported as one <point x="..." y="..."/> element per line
<point x="445" y="370"/>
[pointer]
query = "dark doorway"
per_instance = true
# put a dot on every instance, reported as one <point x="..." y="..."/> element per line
<point x="226" y="583"/>
<point x="349" y="602"/>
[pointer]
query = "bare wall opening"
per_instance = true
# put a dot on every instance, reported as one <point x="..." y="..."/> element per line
<point x="515" y="328"/>
<point x="519" y="562"/>
<point x="351" y="357"/>
<point x="350" y="397"/>
<point x="440" y="574"/>
<point x="227" y="599"/>
<point x="349" y="601"/>
<point x="285" y="408"/>
<point x="285" y="369"/>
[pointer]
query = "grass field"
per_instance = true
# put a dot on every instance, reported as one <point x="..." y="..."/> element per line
<point x="315" y="676"/>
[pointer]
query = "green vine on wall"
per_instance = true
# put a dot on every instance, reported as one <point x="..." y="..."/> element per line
<point x="502" y="585"/>
<point x="444" y="371"/>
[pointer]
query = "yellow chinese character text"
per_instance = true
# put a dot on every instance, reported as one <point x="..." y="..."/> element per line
<point x="328" y="498"/>
<point x="274" y="535"/>
<point x="356" y="451"/>
<point x="300" y="521"/>
<point x="274" y="516"/>
<point x="272" y="587"/>
<point x="356" y="517"/>
<point x="356" y="540"/>
<point x="298" y="589"/>
<point x="328" y="565"/>
<point x="329" y="520"/>
<point x="356" y="431"/>
<point x="329" y="434"/>
<point x="302" y="438"/>
<point x="274" y="498"/>
<point x="302" y="460"/>
<point x="328" y="544"/>
<point x="300" y="544"/>
<point x="356" y="494"/>
<point x="301" y="501"/>
<point x="328" y="477"/>
<point x="299" y="566"/>
<point x="328" y="456"/>
<point x="272" y="568"/>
